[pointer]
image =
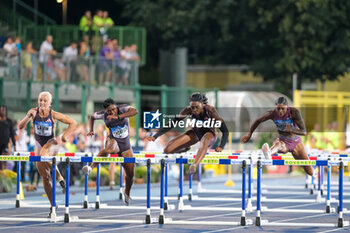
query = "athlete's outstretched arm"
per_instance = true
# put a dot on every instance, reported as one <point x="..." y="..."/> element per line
<point x="129" y="113"/>
<point x="29" y="116"/>
<point x="267" y="116"/>
<point x="180" y="116"/>
<point x="92" y="122"/>
<point x="72" y="124"/>
<point x="223" y="128"/>
<point x="298" y="119"/>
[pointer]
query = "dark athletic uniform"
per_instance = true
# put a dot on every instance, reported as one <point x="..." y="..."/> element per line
<point x="43" y="128"/>
<point x="118" y="129"/>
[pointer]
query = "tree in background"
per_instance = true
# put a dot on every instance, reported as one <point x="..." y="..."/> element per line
<point x="310" y="38"/>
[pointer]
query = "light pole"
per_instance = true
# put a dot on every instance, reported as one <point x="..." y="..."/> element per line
<point x="64" y="10"/>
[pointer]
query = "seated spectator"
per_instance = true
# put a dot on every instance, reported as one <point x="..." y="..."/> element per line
<point x="27" y="60"/>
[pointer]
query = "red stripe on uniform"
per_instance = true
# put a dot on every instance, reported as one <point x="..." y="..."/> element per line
<point x="69" y="154"/>
<point x="149" y="155"/>
<point x="238" y="151"/>
<point x="233" y="157"/>
<point x="32" y="154"/>
<point x="114" y="155"/>
<point x="335" y="153"/>
<point x="276" y="157"/>
<point x="313" y="158"/>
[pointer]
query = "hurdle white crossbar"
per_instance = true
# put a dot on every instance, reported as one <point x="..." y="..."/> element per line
<point x="56" y="219"/>
<point x="300" y="224"/>
<point x="116" y="221"/>
<point x="284" y="210"/>
<point x="211" y="208"/>
<point x="210" y="223"/>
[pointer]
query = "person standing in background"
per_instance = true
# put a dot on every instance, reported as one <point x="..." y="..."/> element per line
<point x="22" y="140"/>
<point x="6" y="132"/>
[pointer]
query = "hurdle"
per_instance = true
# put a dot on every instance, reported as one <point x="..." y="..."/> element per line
<point x="260" y="222"/>
<point x="242" y="222"/>
<point x="54" y="218"/>
<point x="67" y="217"/>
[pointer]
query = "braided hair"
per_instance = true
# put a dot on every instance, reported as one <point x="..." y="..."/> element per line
<point x="108" y="102"/>
<point x="198" y="97"/>
<point x="281" y="100"/>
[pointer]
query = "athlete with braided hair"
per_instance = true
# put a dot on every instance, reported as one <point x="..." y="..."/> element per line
<point x="290" y="126"/>
<point x="198" y="110"/>
<point x="116" y="118"/>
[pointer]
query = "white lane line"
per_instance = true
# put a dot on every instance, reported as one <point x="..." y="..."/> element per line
<point x="338" y="229"/>
<point x="117" y="229"/>
<point x="37" y="224"/>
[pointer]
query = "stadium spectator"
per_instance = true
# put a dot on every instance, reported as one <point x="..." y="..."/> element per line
<point x="70" y="59"/>
<point x="12" y="57"/>
<point x="98" y="21"/>
<point x="6" y="133"/>
<point x="83" y="61"/>
<point x="120" y="64"/>
<point x="85" y="23"/>
<point x="105" y="62"/>
<point x="18" y="44"/>
<point x="45" y="59"/>
<point x="108" y="21"/>
<point x="27" y="60"/>
<point x="22" y="140"/>
<point x="133" y="55"/>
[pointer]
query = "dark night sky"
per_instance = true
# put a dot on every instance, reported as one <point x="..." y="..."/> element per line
<point x="76" y="9"/>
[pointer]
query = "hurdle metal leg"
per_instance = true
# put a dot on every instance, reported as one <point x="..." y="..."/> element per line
<point x="258" y="198"/>
<point x="319" y="196"/>
<point x="97" y="203"/>
<point x="161" y="215"/>
<point x="190" y="188"/>
<point x="18" y="201"/>
<point x="53" y="206"/>
<point x="243" y="218"/>
<point x="86" y="197"/>
<point x="181" y="203"/>
<point x="66" y="214"/>
<point x="148" y="211"/>
<point x="166" y="207"/>
<point x="340" y="191"/>
<point x="199" y="185"/>
<point x="329" y="173"/>
<point x="250" y="181"/>
<point x="121" y="183"/>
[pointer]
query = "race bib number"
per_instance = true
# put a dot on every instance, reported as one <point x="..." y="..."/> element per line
<point x="43" y="128"/>
<point x="120" y="132"/>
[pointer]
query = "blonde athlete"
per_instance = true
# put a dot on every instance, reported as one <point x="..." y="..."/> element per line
<point x="44" y="119"/>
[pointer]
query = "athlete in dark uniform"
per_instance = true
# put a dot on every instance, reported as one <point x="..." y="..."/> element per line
<point x="199" y="110"/>
<point x="44" y="119"/>
<point x="116" y="118"/>
<point x="290" y="125"/>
